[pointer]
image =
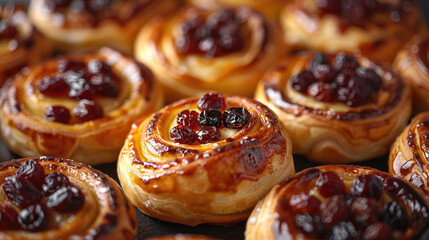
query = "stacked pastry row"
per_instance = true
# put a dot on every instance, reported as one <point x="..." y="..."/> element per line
<point x="212" y="157"/>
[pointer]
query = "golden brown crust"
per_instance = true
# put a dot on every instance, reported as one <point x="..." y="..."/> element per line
<point x="412" y="63"/>
<point x="26" y="132"/>
<point x="193" y="75"/>
<point x="114" y="25"/>
<point x="270" y="8"/>
<point x="335" y="132"/>
<point x="27" y="48"/>
<point x="272" y="219"/>
<point x="216" y="183"/>
<point x="106" y="214"/>
<point x="409" y="153"/>
<point x="375" y="36"/>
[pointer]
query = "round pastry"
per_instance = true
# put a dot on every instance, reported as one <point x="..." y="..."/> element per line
<point x="79" y="107"/>
<point x="20" y="43"/>
<point x="55" y="198"/>
<point x="412" y="63"/>
<point x="193" y="51"/>
<point x="337" y="108"/>
<point x="376" y="29"/>
<point x="409" y="153"/>
<point x="91" y="24"/>
<point x="340" y="202"/>
<point x="207" y="160"/>
<point x="270" y="8"/>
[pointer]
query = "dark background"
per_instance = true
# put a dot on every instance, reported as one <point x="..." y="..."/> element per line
<point x="148" y="226"/>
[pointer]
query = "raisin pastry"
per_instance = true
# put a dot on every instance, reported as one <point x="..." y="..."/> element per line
<point x="193" y="51"/>
<point x="20" y="43"/>
<point x="78" y="25"/>
<point x="340" y="202"/>
<point x="376" y="29"/>
<point x="409" y="153"/>
<point x="79" y="106"/>
<point x="270" y="8"/>
<point x="412" y="63"/>
<point x="337" y="108"/>
<point x="55" y="198"/>
<point x="207" y="160"/>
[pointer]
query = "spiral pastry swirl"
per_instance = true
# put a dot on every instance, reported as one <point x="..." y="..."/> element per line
<point x="79" y="106"/>
<point x="375" y="29"/>
<point x="193" y="51"/>
<point x="55" y="198"/>
<point x="337" y="108"/>
<point x="216" y="182"/>
<point x="20" y="43"/>
<point x="340" y="202"/>
<point x="409" y="154"/>
<point x="412" y="63"/>
<point x="91" y="24"/>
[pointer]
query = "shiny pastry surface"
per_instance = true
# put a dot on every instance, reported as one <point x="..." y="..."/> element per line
<point x="337" y="108"/>
<point x="212" y="169"/>
<point x="193" y="51"/>
<point x="340" y="202"/>
<point x="412" y="63"/>
<point x="20" y="43"/>
<point x="78" y="106"/>
<point x="270" y="8"/>
<point x="55" y="198"/>
<point x="376" y="29"/>
<point x="91" y="24"/>
<point x="409" y="154"/>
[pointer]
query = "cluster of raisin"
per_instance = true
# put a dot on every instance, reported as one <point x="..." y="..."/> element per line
<point x="354" y="214"/>
<point x="34" y="193"/>
<point x="80" y="81"/>
<point x="344" y="81"/>
<point x="208" y="122"/>
<point x="217" y="36"/>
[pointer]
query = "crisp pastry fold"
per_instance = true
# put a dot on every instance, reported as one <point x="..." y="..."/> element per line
<point x="412" y="63"/>
<point x="78" y="106"/>
<point x="270" y="8"/>
<point x="193" y="51"/>
<point x="409" y="153"/>
<point x="68" y="200"/>
<point x="20" y="43"/>
<point x="340" y="202"/>
<point x="218" y="181"/>
<point x="91" y="24"/>
<point x="375" y="29"/>
<point x="337" y="108"/>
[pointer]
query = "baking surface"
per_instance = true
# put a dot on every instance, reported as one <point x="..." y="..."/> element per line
<point x="149" y="227"/>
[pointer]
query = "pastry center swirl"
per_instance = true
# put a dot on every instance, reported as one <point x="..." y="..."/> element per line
<point x="217" y="35"/>
<point x="339" y="80"/>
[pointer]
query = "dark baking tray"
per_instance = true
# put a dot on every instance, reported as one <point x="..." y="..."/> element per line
<point x="149" y="227"/>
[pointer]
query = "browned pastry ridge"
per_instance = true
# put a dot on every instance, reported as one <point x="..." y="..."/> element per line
<point x="192" y="51"/>
<point x="52" y="109"/>
<point x="412" y="63"/>
<point x="340" y="202"/>
<point x="218" y="182"/>
<point x="92" y="24"/>
<point x="270" y="8"/>
<point x="375" y="29"/>
<point x="334" y="131"/>
<point x="105" y="213"/>
<point x="409" y="153"/>
<point x="20" y="43"/>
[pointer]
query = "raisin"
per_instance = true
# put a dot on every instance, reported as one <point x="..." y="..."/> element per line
<point x="188" y="118"/>
<point x="235" y="117"/>
<point x="208" y="134"/>
<point x="345" y="61"/>
<point x="183" y="135"/>
<point x="310" y="224"/>
<point x="334" y="210"/>
<point x="87" y="110"/>
<point x="395" y="216"/>
<point x="365" y="211"/>
<point x="210" y="117"/>
<point x="66" y="199"/>
<point x="8" y="217"/>
<point x="33" y="218"/>
<point x="53" y="86"/>
<point x="330" y="184"/>
<point x="304" y="203"/>
<point x="378" y="231"/>
<point x="31" y="172"/>
<point x="368" y="185"/>
<point x="302" y="81"/>
<point x="211" y="101"/>
<point x="20" y="193"/>
<point x="57" y="114"/>
<point x="343" y="231"/>
<point x="55" y="181"/>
